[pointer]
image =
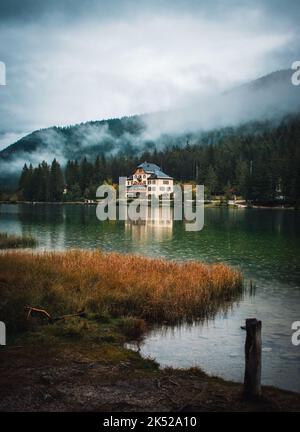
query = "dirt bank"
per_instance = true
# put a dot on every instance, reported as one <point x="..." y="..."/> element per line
<point x="106" y="377"/>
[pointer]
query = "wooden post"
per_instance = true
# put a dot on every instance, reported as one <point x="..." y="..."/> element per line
<point x="252" y="380"/>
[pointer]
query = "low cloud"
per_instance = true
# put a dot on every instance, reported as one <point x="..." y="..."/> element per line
<point x="8" y="138"/>
<point x="70" y="62"/>
<point x="96" y="63"/>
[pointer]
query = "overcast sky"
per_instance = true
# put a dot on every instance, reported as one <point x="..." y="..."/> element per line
<point x="70" y="61"/>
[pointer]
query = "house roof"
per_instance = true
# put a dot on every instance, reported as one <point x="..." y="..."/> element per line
<point x="154" y="170"/>
<point x="160" y="175"/>
<point x="149" y="167"/>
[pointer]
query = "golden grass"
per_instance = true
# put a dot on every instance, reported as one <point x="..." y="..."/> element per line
<point x="9" y="241"/>
<point x="122" y="285"/>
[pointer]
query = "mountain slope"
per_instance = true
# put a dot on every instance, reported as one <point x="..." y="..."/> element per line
<point x="267" y="100"/>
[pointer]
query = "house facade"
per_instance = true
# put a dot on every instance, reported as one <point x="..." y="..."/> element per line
<point x="148" y="180"/>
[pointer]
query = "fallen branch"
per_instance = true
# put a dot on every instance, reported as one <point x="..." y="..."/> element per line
<point x="45" y="314"/>
<point x="81" y="314"/>
<point x="37" y="311"/>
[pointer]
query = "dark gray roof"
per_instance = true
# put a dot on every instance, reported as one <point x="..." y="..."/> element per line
<point x="149" y="167"/>
<point x="160" y="175"/>
<point x="154" y="170"/>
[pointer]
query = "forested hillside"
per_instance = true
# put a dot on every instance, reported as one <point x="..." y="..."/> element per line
<point x="253" y="112"/>
<point x="259" y="161"/>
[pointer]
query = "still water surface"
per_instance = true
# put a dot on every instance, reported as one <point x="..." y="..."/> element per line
<point x="265" y="244"/>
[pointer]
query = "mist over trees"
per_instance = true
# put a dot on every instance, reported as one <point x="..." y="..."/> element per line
<point x="257" y="163"/>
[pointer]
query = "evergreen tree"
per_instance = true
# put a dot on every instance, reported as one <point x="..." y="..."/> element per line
<point x="43" y="179"/>
<point x="26" y="182"/>
<point x="97" y="180"/>
<point x="211" y="181"/>
<point x="85" y="176"/>
<point x="56" y="184"/>
<point x="72" y="173"/>
<point x="242" y="177"/>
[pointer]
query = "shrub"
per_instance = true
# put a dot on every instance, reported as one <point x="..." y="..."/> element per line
<point x="132" y="328"/>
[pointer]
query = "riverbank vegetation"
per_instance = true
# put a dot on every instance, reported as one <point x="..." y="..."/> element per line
<point x="155" y="290"/>
<point x="10" y="241"/>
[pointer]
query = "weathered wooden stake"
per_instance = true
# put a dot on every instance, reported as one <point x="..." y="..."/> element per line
<point x="252" y="380"/>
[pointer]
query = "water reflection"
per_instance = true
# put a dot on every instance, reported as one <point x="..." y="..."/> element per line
<point x="217" y="345"/>
<point x="157" y="224"/>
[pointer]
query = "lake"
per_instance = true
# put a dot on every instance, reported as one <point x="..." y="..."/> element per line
<point x="264" y="244"/>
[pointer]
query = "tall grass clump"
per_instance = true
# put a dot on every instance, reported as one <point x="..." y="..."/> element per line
<point x="156" y="290"/>
<point x="10" y="241"/>
<point x="132" y="328"/>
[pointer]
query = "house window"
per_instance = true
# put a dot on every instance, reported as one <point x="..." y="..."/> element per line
<point x="162" y="188"/>
<point x="168" y="188"/>
<point x="149" y="188"/>
<point x="154" y="188"/>
<point x="166" y="182"/>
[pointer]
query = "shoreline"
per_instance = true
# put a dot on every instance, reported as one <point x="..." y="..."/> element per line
<point x="65" y="373"/>
<point x="206" y="205"/>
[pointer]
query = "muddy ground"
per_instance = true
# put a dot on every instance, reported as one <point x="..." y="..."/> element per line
<point x="80" y="377"/>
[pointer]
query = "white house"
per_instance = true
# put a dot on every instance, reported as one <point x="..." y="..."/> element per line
<point x="147" y="180"/>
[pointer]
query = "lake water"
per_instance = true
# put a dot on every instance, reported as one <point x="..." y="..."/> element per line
<point x="265" y="244"/>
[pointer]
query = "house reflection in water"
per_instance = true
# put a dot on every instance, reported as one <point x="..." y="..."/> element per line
<point x="157" y="225"/>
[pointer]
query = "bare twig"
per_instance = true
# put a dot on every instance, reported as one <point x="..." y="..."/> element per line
<point x="44" y="313"/>
<point x="38" y="311"/>
<point x="77" y="314"/>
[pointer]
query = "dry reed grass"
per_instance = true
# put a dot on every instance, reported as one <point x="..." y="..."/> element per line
<point x="156" y="290"/>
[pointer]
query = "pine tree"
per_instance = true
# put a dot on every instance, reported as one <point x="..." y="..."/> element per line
<point x="97" y="172"/>
<point x="86" y="175"/>
<point x="43" y="182"/>
<point x="56" y="184"/>
<point x="241" y="174"/>
<point x="25" y="182"/>
<point x="211" y="181"/>
<point x="104" y="169"/>
<point x="72" y="173"/>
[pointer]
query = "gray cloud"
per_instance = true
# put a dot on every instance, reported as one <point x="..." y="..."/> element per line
<point x="73" y="61"/>
<point x="7" y="138"/>
<point x="30" y="10"/>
